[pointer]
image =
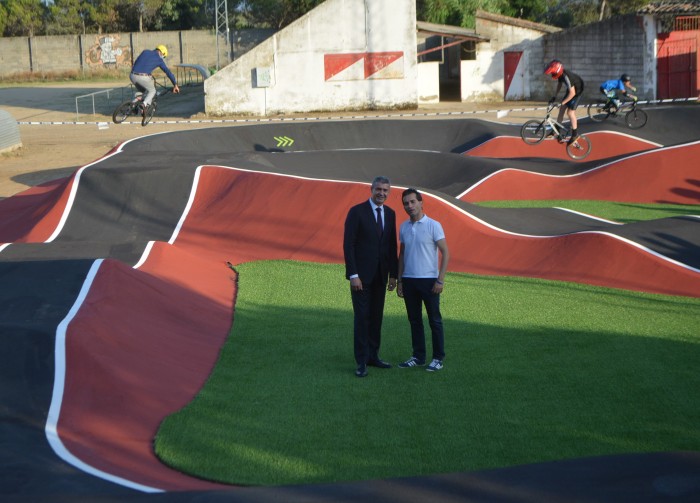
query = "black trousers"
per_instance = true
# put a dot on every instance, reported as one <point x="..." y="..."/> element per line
<point x="416" y="293"/>
<point x="368" y="308"/>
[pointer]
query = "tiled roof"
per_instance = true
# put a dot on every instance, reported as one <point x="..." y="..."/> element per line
<point x="672" y="7"/>
<point x="522" y="23"/>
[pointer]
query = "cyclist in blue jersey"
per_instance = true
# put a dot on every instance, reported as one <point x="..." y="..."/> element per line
<point x="616" y="90"/>
<point x="141" y="76"/>
<point x="574" y="90"/>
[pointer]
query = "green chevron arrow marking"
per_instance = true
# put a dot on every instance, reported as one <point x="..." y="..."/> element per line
<point x="284" y="141"/>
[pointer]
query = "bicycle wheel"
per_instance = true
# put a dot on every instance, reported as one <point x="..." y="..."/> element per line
<point x="580" y="148"/>
<point x="597" y="112"/>
<point x="533" y="131"/>
<point x="636" y="118"/>
<point x="149" y="114"/>
<point x="122" y="112"/>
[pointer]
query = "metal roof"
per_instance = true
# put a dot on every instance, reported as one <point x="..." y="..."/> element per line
<point x="449" y="31"/>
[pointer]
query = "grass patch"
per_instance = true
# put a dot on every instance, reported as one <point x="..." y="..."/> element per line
<point x="27" y="78"/>
<point x="618" y="212"/>
<point x="535" y="370"/>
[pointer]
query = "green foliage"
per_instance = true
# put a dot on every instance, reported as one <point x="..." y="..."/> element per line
<point x="3" y="19"/>
<point x="24" y="17"/>
<point x="68" y="17"/>
<point x="185" y="15"/>
<point x="532" y="10"/>
<point x="457" y="12"/>
<point x="107" y="16"/>
<point x="618" y="212"/>
<point x="274" y="14"/>
<point x="569" y="13"/>
<point x="535" y="371"/>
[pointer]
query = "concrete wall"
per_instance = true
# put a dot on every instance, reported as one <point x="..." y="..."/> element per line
<point x="344" y="54"/>
<point x="116" y="50"/>
<point x="599" y="52"/>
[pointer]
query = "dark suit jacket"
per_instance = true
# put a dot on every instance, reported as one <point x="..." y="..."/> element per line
<point x="364" y="252"/>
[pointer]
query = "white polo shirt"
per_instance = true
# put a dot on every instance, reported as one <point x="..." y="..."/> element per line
<point x="420" y="255"/>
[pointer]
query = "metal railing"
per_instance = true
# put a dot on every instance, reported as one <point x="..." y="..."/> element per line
<point x="92" y="97"/>
<point x="687" y="23"/>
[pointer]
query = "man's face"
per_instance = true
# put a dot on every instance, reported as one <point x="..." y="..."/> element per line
<point x="412" y="206"/>
<point x="380" y="192"/>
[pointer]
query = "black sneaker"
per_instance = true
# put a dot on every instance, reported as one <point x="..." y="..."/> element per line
<point x="411" y="362"/>
<point x="573" y="138"/>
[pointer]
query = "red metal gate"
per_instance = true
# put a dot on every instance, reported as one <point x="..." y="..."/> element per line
<point x="677" y="65"/>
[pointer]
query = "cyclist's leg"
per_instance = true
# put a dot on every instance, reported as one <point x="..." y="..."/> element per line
<point x="146" y="84"/>
<point x="139" y="88"/>
<point x="571" y="112"/>
<point x="610" y="95"/>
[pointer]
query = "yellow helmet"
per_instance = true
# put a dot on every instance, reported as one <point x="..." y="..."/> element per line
<point x="163" y="50"/>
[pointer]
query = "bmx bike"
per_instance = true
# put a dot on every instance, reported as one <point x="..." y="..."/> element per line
<point x="604" y="109"/>
<point x="536" y="130"/>
<point x="134" y="107"/>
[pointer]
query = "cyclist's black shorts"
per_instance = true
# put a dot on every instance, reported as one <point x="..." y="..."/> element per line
<point x="571" y="105"/>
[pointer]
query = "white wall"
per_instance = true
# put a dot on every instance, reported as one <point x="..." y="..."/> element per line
<point x="309" y="63"/>
<point x="429" y="82"/>
<point x="483" y="79"/>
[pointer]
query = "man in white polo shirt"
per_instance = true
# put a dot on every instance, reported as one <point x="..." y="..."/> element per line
<point x="421" y="281"/>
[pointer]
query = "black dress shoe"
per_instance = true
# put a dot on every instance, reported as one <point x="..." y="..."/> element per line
<point x="379" y="364"/>
<point x="361" y="370"/>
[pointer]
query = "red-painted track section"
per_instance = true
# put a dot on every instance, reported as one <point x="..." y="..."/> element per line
<point x="32" y="215"/>
<point x="604" y="145"/>
<point x="303" y="219"/>
<point x="657" y="176"/>
<point x="141" y="346"/>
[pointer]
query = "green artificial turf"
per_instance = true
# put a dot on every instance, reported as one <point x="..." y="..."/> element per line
<point x="535" y="370"/>
<point x="618" y="212"/>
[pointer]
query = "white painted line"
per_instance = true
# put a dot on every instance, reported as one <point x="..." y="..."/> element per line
<point x="51" y="428"/>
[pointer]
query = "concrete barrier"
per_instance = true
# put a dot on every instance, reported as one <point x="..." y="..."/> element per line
<point x="9" y="133"/>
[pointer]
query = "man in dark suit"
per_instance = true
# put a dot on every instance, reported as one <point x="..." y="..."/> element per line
<point x="370" y="249"/>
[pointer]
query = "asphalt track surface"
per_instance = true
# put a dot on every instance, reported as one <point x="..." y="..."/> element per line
<point x="106" y="276"/>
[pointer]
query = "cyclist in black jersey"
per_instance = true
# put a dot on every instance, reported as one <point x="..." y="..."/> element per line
<point x="574" y="90"/>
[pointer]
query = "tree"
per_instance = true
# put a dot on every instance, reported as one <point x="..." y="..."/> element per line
<point x="185" y="15"/>
<point x="3" y="19"/>
<point x="568" y="13"/>
<point x="69" y="17"/>
<point x="609" y="8"/>
<point x="273" y="13"/>
<point x="458" y="12"/>
<point x="532" y="10"/>
<point x="24" y="17"/>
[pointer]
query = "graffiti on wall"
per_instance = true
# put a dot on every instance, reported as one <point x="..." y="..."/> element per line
<point x="364" y="65"/>
<point x="108" y="51"/>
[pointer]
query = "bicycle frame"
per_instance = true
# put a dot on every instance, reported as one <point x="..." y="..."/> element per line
<point x="535" y="131"/>
<point x="134" y="107"/>
<point x="624" y="105"/>
<point x="557" y="128"/>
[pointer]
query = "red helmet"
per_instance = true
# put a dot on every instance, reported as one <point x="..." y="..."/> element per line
<point x="555" y="69"/>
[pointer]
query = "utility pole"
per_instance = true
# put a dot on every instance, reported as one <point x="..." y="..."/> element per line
<point x="222" y="30"/>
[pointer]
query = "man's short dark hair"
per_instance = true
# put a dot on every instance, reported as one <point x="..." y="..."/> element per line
<point x="411" y="191"/>
<point x="380" y="179"/>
